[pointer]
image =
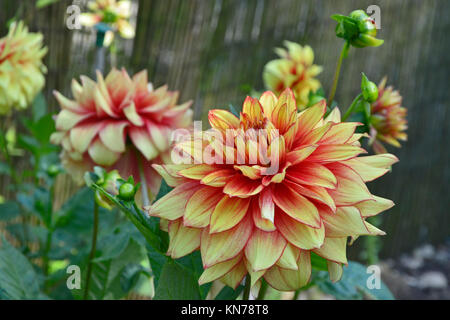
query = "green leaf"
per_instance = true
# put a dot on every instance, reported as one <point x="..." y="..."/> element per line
<point x="18" y="279"/>
<point x="228" y="293"/>
<point x="353" y="285"/>
<point x="43" y="3"/>
<point x="39" y="106"/>
<point x="176" y="283"/>
<point x="106" y="276"/>
<point x="9" y="210"/>
<point x="318" y="263"/>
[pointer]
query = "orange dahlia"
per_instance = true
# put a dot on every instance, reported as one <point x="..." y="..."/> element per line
<point x="21" y="67"/>
<point x="246" y="217"/>
<point x="388" y="119"/>
<point x="118" y="123"/>
<point x="295" y="70"/>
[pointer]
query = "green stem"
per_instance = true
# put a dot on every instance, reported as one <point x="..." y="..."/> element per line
<point x="296" y="294"/>
<point x="48" y="246"/>
<point x="262" y="290"/>
<point x="92" y="253"/>
<point x="337" y="72"/>
<point x="246" y="294"/>
<point x="352" y="106"/>
<point x="8" y="158"/>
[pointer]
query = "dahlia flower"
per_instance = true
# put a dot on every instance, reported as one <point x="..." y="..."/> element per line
<point x="388" y="119"/>
<point x="118" y="123"/>
<point x="21" y="67"/>
<point x="248" y="219"/>
<point x="295" y="70"/>
<point x="111" y="12"/>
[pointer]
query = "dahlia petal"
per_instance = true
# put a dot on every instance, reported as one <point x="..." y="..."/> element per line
<point x="132" y="115"/>
<point x="333" y="116"/>
<point x="101" y="155"/>
<point x="289" y="258"/>
<point x="268" y="101"/>
<point x="296" y="206"/>
<point x="252" y="172"/>
<point x="290" y="280"/>
<point x="102" y="105"/>
<point x="333" y="249"/>
<point x="82" y="135"/>
<point x="298" y="155"/>
<point x="235" y="276"/>
<point x="313" y="174"/>
<point x="113" y="136"/>
<point x="223" y="246"/>
<point x="197" y="172"/>
<point x="309" y="118"/>
<point x="253" y="109"/>
<point x="337" y="152"/>
<point x="200" y="206"/>
<point x="350" y="187"/>
<point x="218" y="270"/>
<point x="264" y="249"/>
<point x="259" y="221"/>
<point x="218" y="178"/>
<point x="66" y="120"/>
<point x="183" y="240"/>
<point x="141" y="139"/>
<point x="169" y="173"/>
<point x="335" y="271"/>
<point x="374" y="231"/>
<point x="228" y="213"/>
<point x="240" y="186"/>
<point x="266" y="205"/>
<point x="372" y="167"/>
<point x="299" y="234"/>
<point x="68" y="104"/>
<point x="223" y="120"/>
<point x="313" y="192"/>
<point x="254" y="277"/>
<point x="160" y="135"/>
<point x="172" y="206"/>
<point x="347" y="221"/>
<point x="373" y="207"/>
<point x="339" y="133"/>
<point x="313" y="136"/>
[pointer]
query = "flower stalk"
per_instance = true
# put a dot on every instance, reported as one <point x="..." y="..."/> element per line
<point x="343" y="55"/>
<point x="92" y="253"/>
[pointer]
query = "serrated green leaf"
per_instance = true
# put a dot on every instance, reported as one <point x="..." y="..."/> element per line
<point x="18" y="279"/>
<point x="9" y="210"/>
<point x="176" y="283"/>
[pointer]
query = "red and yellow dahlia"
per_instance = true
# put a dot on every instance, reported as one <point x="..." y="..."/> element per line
<point x="294" y="69"/>
<point x="247" y="218"/>
<point x="388" y="119"/>
<point x="21" y="67"/>
<point x="118" y="123"/>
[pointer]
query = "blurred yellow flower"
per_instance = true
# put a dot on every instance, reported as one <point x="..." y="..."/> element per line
<point x="21" y="67"/>
<point x="295" y="70"/>
<point x="113" y="13"/>
<point x="388" y="119"/>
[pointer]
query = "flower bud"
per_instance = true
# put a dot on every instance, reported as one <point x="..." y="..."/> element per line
<point x="369" y="89"/>
<point x="127" y="191"/>
<point x="357" y="28"/>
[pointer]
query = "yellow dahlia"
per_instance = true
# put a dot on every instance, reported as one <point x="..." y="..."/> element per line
<point x="111" y="12"/>
<point x="118" y="123"/>
<point x="388" y="119"/>
<point x="21" y="67"/>
<point x="295" y="70"/>
<point x="247" y="218"/>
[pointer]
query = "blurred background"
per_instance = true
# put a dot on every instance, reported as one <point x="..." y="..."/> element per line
<point x="214" y="52"/>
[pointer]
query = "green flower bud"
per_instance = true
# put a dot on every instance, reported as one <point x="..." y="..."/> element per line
<point x="369" y="89"/>
<point x="53" y="170"/>
<point x="127" y="191"/>
<point x="357" y="28"/>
